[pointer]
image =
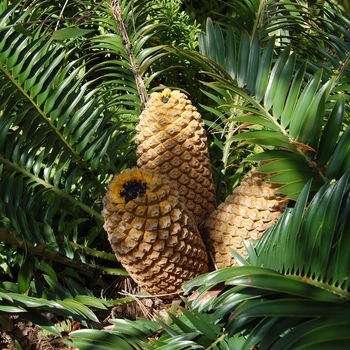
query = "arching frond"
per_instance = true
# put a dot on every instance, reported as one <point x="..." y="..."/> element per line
<point x="275" y="103"/>
<point x="313" y="29"/>
<point x="297" y="275"/>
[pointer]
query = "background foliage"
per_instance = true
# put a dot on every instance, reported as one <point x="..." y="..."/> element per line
<point x="271" y="79"/>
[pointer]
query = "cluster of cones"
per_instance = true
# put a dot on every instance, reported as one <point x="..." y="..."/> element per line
<point x="152" y="212"/>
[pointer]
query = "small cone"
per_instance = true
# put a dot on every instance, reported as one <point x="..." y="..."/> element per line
<point x="171" y="140"/>
<point x="151" y="232"/>
<point x="247" y="213"/>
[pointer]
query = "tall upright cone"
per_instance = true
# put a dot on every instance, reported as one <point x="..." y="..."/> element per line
<point x="247" y="213"/>
<point x="171" y="140"/>
<point x="151" y="232"/>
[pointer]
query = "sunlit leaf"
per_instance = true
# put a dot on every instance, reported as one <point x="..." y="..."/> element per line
<point x="69" y="33"/>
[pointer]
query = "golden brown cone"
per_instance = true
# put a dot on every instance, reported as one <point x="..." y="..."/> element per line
<point x="151" y="232"/>
<point x="247" y="213"/>
<point x="171" y="140"/>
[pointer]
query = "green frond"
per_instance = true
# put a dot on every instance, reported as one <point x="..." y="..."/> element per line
<point x="32" y="308"/>
<point x="192" y="330"/>
<point x="127" y="335"/>
<point x="288" y="108"/>
<point x="314" y="245"/>
<point x="314" y="30"/>
<point x="296" y="286"/>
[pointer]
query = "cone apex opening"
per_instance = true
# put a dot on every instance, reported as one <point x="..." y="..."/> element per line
<point x="132" y="190"/>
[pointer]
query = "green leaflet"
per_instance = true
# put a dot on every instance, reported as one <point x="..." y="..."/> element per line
<point x="299" y="118"/>
<point x="330" y="133"/>
<point x="24" y="277"/>
<point x="220" y="50"/>
<point x="268" y="138"/>
<point x="243" y="59"/>
<point x="231" y="53"/>
<point x="274" y="79"/>
<point x="283" y="86"/>
<point x="264" y="70"/>
<point x="253" y="63"/>
<point x="316" y="334"/>
<point x="339" y="162"/>
<point x="69" y="33"/>
<point x="291" y="102"/>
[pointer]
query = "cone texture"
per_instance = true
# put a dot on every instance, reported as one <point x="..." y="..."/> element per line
<point x="171" y="140"/>
<point x="151" y="232"/>
<point x="247" y="213"/>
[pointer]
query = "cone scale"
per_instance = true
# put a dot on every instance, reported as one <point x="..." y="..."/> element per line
<point x="151" y="232"/>
<point x="171" y="140"/>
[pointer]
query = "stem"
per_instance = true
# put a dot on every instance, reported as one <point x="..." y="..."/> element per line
<point x="117" y="13"/>
<point x="217" y="341"/>
<point x="93" y="252"/>
<point x="61" y="15"/>
<point x="342" y="70"/>
<point x="259" y="16"/>
<point x="227" y="147"/>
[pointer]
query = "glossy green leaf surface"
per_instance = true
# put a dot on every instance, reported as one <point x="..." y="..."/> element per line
<point x="274" y="79"/>
<point x="264" y="70"/>
<point x="339" y="161"/>
<point x="68" y="33"/>
<point x="253" y="63"/>
<point x="299" y="118"/>
<point x="267" y="138"/>
<point x="283" y="86"/>
<point x="243" y="59"/>
<point x="331" y="132"/>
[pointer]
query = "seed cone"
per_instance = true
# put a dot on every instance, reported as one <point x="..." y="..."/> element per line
<point x="247" y="213"/>
<point x="151" y="232"/>
<point x="171" y="139"/>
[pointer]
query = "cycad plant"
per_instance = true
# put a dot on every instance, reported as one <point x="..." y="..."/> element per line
<point x="273" y="93"/>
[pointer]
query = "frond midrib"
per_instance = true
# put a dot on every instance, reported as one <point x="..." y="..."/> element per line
<point x="342" y="293"/>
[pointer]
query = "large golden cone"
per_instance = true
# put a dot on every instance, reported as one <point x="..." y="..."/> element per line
<point x="171" y="140"/>
<point x="247" y="213"/>
<point x="151" y="232"/>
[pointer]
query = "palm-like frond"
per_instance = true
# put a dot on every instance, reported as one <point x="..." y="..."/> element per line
<point x="299" y="271"/>
<point x="192" y="330"/>
<point x="285" y="104"/>
<point x="128" y="335"/>
<point x="54" y="133"/>
<point x="75" y="308"/>
<point x="315" y="30"/>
